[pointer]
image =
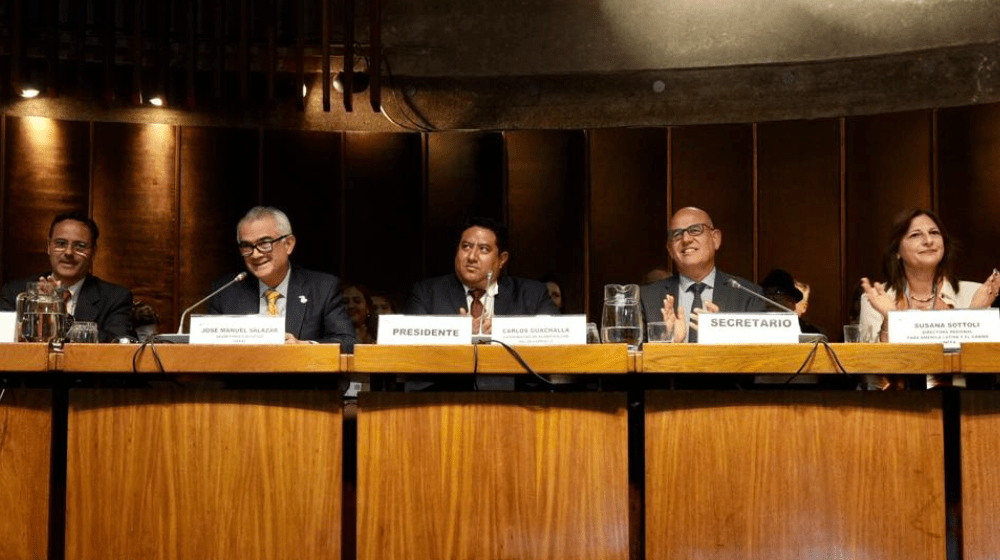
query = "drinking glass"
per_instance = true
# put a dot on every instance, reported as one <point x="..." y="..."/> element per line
<point x="658" y="332"/>
<point x="83" y="331"/>
<point x="858" y="333"/>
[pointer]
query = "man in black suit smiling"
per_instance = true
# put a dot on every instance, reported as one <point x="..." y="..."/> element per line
<point x="697" y="285"/>
<point x="72" y="246"/>
<point x="478" y="286"/>
<point x="309" y="301"/>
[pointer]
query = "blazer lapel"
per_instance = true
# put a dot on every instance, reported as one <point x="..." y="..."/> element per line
<point x="505" y="294"/>
<point x="295" y="307"/>
<point x="87" y="302"/>
<point x="456" y="296"/>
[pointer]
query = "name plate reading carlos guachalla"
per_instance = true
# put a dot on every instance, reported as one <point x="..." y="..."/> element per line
<point x="237" y="329"/>
<point x="541" y="330"/>
<point x="424" y="329"/>
<point x="748" y="328"/>
<point x="950" y="327"/>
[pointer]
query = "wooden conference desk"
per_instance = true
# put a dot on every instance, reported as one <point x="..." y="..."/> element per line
<point x="25" y="451"/>
<point x="178" y="473"/>
<point x="208" y="474"/>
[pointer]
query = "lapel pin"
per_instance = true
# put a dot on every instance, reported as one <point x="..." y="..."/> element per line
<point x="303" y="299"/>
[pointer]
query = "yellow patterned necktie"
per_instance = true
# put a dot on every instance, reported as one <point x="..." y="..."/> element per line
<point x="272" y="301"/>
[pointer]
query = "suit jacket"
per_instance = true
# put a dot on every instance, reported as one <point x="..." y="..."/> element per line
<point x="314" y="311"/>
<point x="445" y="295"/>
<point x="109" y="305"/>
<point x="728" y="299"/>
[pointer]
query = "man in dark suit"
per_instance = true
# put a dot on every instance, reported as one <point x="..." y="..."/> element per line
<point x="309" y="301"/>
<point x="697" y="285"/>
<point x="479" y="261"/>
<point x="72" y="245"/>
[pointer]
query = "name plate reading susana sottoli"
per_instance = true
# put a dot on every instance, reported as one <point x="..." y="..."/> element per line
<point x="748" y="328"/>
<point x="950" y="327"/>
<point x="8" y="322"/>
<point x="424" y="329"/>
<point x="541" y="330"/>
<point x="237" y="329"/>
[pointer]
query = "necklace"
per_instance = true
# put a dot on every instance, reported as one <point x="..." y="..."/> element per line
<point x="910" y="298"/>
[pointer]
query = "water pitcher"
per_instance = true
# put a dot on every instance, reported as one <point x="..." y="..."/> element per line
<point x="41" y="313"/>
<point x="621" y="320"/>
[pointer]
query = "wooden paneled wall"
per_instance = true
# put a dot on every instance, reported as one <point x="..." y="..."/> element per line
<point x="588" y="206"/>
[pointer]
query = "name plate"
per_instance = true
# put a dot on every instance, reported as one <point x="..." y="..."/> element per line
<point x="950" y="327"/>
<point x="237" y="329"/>
<point x="748" y="328"/>
<point x="541" y="330"/>
<point x="8" y="324"/>
<point x="424" y="329"/>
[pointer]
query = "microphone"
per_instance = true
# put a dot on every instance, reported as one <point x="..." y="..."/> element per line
<point x="239" y="278"/>
<point x="734" y="284"/>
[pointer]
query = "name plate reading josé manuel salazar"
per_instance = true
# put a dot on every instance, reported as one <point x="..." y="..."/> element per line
<point x="950" y="327"/>
<point x="541" y="330"/>
<point x="8" y="322"/>
<point x="748" y="328"/>
<point x="237" y="329"/>
<point x="424" y="329"/>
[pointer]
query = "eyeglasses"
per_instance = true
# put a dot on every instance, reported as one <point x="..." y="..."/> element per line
<point x="694" y="230"/>
<point x="264" y="245"/>
<point x="63" y="245"/>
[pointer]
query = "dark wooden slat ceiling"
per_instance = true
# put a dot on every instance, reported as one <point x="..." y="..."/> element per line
<point x="194" y="53"/>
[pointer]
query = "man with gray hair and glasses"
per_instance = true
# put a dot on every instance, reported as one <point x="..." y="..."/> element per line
<point x="696" y="286"/>
<point x="309" y="301"/>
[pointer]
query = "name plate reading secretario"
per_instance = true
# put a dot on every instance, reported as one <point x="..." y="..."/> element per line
<point x="748" y="328"/>
<point x="541" y="330"/>
<point x="424" y="329"/>
<point x="237" y="329"/>
<point x="8" y="321"/>
<point x="950" y="327"/>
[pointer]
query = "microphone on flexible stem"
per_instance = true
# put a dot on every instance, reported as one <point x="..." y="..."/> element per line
<point x="734" y="284"/>
<point x="239" y="278"/>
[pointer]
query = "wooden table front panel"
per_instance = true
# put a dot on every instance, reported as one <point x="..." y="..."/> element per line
<point x="492" y="476"/>
<point x="25" y="441"/>
<point x="204" y="474"/>
<point x="794" y="475"/>
<point x="981" y="474"/>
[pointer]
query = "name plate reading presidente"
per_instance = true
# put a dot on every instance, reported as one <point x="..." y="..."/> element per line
<point x="748" y="328"/>
<point x="424" y="329"/>
<point x="8" y="322"/>
<point x="237" y="329"/>
<point x="541" y="330"/>
<point x="950" y="327"/>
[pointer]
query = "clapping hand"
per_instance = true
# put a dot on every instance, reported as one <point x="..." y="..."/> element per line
<point x="986" y="293"/>
<point x="881" y="301"/>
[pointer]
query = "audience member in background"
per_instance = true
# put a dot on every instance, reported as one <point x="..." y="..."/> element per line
<point x="918" y="268"/>
<point x="478" y="285"/>
<point x="655" y="275"/>
<point x="72" y="246"/>
<point x="145" y="321"/>
<point x="780" y="287"/>
<point x="361" y="310"/>
<point x="803" y="305"/>
<point x="309" y="301"/>
<point x="553" y="285"/>
<point x="382" y="305"/>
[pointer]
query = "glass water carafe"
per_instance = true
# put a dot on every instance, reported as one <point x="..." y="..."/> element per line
<point x="621" y="320"/>
<point x="41" y="313"/>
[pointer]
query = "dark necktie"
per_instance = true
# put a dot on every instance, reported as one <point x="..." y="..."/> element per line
<point x="696" y="289"/>
<point x="477" y="303"/>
